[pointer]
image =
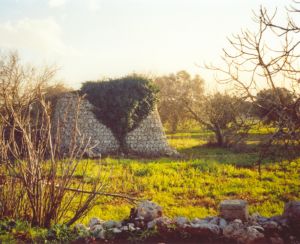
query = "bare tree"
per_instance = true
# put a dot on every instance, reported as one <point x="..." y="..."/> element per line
<point x="267" y="58"/>
<point x="37" y="182"/>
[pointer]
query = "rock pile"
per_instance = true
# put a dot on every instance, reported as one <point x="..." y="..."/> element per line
<point x="148" y="218"/>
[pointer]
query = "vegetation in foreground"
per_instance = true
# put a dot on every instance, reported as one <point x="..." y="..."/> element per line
<point x="193" y="186"/>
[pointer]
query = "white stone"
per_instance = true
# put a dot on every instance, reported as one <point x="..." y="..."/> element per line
<point x="239" y="232"/>
<point x="125" y="228"/>
<point x="116" y="231"/>
<point x="112" y="224"/>
<point x="270" y="225"/>
<point x="131" y="227"/>
<point x="149" y="210"/>
<point x="234" y="209"/>
<point x="222" y="223"/>
<point x="95" y="221"/>
<point x="98" y="232"/>
<point x="181" y="221"/>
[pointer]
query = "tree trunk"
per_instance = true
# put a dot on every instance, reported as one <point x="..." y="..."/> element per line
<point x="219" y="136"/>
<point x="123" y="145"/>
<point x="174" y="124"/>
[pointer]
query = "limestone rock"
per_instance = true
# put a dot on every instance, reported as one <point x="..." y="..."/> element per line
<point x="253" y="235"/>
<point x="292" y="214"/>
<point x="234" y="209"/>
<point x="125" y="228"/>
<point x="199" y="221"/>
<point x="131" y="227"/>
<point x="222" y="223"/>
<point x="292" y="211"/>
<point x="214" y="220"/>
<point x="237" y="231"/>
<point x="148" y="210"/>
<point x="95" y="221"/>
<point x="112" y="224"/>
<point x="116" y="231"/>
<point x="151" y="224"/>
<point x="270" y="226"/>
<point x="181" y="221"/>
<point x="98" y="232"/>
<point x="160" y="222"/>
<point x="234" y="230"/>
<point x="204" y="230"/>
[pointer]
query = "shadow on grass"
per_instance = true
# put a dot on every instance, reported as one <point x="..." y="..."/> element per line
<point x="248" y="157"/>
<point x="221" y="155"/>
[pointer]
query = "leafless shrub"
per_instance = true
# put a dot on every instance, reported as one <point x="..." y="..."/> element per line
<point x="37" y="182"/>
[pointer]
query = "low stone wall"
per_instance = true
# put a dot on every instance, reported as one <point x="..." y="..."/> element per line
<point x="233" y="225"/>
<point x="148" y="139"/>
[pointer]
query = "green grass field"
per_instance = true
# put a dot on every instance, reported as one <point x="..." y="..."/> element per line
<point x="194" y="185"/>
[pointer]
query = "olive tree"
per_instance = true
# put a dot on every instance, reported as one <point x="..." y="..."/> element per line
<point x="268" y="108"/>
<point x="177" y="90"/>
<point x="223" y="115"/>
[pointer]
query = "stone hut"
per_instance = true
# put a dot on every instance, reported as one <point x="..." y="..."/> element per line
<point x="72" y="113"/>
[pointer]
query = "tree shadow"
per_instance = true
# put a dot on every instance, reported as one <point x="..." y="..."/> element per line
<point x="247" y="157"/>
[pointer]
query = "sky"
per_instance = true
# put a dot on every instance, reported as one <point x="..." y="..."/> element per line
<point x="93" y="39"/>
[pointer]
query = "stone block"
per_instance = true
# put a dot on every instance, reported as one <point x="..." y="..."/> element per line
<point x="292" y="212"/>
<point x="234" y="209"/>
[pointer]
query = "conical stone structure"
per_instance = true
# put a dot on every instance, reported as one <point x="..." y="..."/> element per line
<point x="74" y="114"/>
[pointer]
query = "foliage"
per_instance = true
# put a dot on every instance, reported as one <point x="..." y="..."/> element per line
<point x="16" y="231"/>
<point x="268" y="107"/>
<point x="224" y="115"/>
<point x="191" y="187"/>
<point x="61" y="233"/>
<point x="121" y="104"/>
<point x="175" y="91"/>
<point x="53" y="92"/>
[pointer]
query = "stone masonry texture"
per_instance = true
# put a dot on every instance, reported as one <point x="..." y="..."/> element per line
<point x="73" y="114"/>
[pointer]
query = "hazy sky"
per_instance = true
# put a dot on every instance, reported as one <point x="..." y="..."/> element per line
<point x="90" y="39"/>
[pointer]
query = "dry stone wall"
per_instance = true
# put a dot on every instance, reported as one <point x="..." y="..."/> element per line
<point x="233" y="225"/>
<point x="74" y="114"/>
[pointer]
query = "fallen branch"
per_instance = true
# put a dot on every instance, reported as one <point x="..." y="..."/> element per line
<point x="131" y="199"/>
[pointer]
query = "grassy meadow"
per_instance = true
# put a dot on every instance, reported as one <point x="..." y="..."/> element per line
<point x="194" y="185"/>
